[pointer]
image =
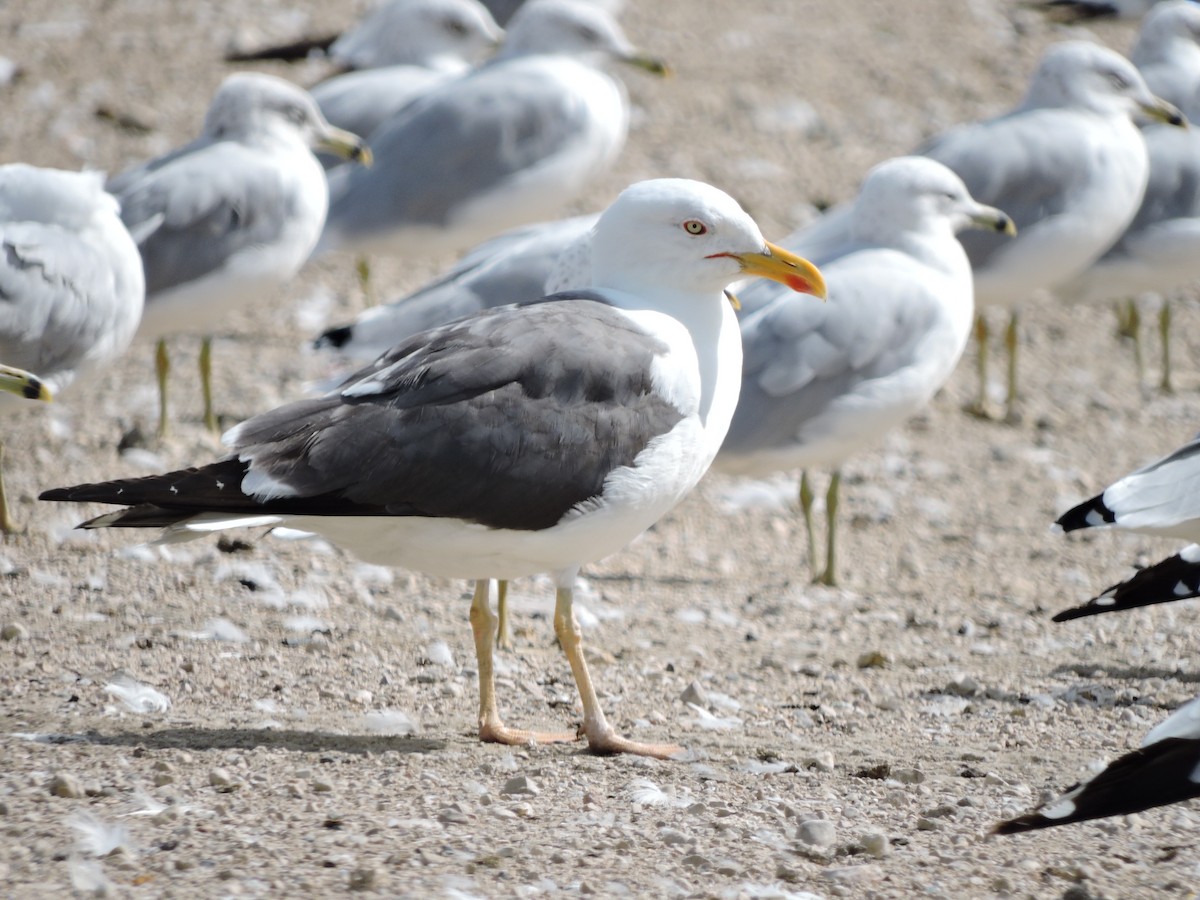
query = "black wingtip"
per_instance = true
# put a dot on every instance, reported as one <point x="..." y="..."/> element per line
<point x="335" y="338"/>
<point x="293" y="52"/>
<point x="1088" y="514"/>
<point x="1021" y="824"/>
<point x="56" y="494"/>
<point x="1076" y="612"/>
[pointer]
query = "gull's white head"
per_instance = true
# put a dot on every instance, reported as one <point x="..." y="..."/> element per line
<point x="1083" y="75"/>
<point x="916" y="194"/>
<point x="676" y="236"/>
<point x="447" y="35"/>
<point x="251" y="106"/>
<point x="573" y="28"/>
<point x="1167" y="28"/>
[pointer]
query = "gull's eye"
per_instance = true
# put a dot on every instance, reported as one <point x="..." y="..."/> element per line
<point x="456" y="27"/>
<point x="1118" y="81"/>
<point x="695" y="226"/>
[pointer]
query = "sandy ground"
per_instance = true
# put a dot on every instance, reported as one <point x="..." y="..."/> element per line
<point x="853" y="742"/>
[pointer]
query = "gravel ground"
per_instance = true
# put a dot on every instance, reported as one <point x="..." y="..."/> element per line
<point x="852" y="742"/>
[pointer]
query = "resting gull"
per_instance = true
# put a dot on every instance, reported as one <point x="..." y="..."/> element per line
<point x="524" y="439"/>
<point x="506" y="145"/>
<point x="70" y="280"/>
<point x="1165" y="769"/>
<point x="230" y="215"/>
<point x="1160" y="250"/>
<point x="437" y="35"/>
<point x="1068" y="164"/>
<point x="1163" y="499"/>
<point x="819" y="382"/>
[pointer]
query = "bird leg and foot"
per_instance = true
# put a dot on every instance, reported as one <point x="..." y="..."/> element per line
<point x="979" y="408"/>
<point x="503" y="631"/>
<point x="832" y="499"/>
<point x="1011" y="414"/>
<point x="601" y="737"/>
<point x="1164" y="335"/>
<point x="7" y="524"/>
<point x="491" y="728"/>
<point x="162" y="369"/>
<point x="362" y="267"/>
<point x="1129" y="326"/>
<point x="806" y="509"/>
<point x="210" y="417"/>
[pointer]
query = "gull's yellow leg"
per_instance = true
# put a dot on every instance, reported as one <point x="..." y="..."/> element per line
<point x="979" y="407"/>
<point x="1010" y="345"/>
<point x="7" y="525"/>
<point x="600" y="735"/>
<point x="491" y="727"/>
<point x="806" y="505"/>
<point x="362" y="267"/>
<point x="832" y="499"/>
<point x="162" y="368"/>
<point x="210" y="417"/>
<point x="1129" y="325"/>
<point x="503" y="632"/>
<point x="1164" y="335"/>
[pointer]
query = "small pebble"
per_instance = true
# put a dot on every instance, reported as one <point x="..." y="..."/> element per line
<point x="14" y="631"/>
<point x="520" y="784"/>
<point x="875" y="844"/>
<point x="64" y="784"/>
<point x="908" y="776"/>
<point x="694" y="693"/>
<point x="816" y="833"/>
<point x="222" y="780"/>
<point x="364" y="879"/>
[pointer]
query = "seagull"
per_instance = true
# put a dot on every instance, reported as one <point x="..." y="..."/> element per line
<point x="819" y="382"/>
<point x="506" y="145"/>
<point x="519" y="263"/>
<point x="1165" y="769"/>
<point x="436" y="35"/>
<point x="527" y="438"/>
<point x="1160" y="249"/>
<point x="71" y="285"/>
<point x="1068" y="164"/>
<point x="428" y="43"/>
<point x="230" y="215"/>
<point x="1160" y="499"/>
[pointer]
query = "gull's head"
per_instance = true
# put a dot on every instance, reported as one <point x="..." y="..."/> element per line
<point x="915" y="193"/>
<point x="250" y="106"/>
<point x="677" y="235"/>
<point x="576" y="28"/>
<point x="1167" y="25"/>
<point x="1083" y="75"/>
<point x="448" y="35"/>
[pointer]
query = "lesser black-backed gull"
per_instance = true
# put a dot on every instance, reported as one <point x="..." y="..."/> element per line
<point x="524" y="439"/>
<point x="230" y="215"/>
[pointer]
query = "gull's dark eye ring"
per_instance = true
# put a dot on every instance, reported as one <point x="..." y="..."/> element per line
<point x="695" y="227"/>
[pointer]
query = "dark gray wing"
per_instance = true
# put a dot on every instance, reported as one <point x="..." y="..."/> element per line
<point x="192" y="215"/>
<point x="1026" y="164"/>
<point x="508" y="419"/>
<point x="451" y="147"/>
<point x="801" y="358"/>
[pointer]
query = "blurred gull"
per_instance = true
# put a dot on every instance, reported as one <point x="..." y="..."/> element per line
<point x="1162" y="499"/>
<point x="438" y="35"/>
<point x="230" y="215"/>
<point x="1068" y="164"/>
<point x="1160" y="250"/>
<point x="1165" y="769"/>
<point x="508" y="144"/>
<point x="821" y="381"/>
<point x="70" y="279"/>
<point x="441" y="39"/>
<point x="1083" y="10"/>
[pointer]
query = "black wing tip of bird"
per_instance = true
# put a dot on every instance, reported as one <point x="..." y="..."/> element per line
<point x="1084" y="515"/>
<point x="334" y="337"/>
<point x="293" y="52"/>
<point x="1021" y="824"/>
<point x="1076" y="612"/>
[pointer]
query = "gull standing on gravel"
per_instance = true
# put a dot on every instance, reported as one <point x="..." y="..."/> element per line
<point x="1068" y="164"/>
<point x="529" y="438"/>
<point x="71" y="285"/>
<point x="421" y="44"/>
<point x="231" y="215"/>
<point x="1165" y="769"/>
<point x="1160" y="250"/>
<point x="819" y="382"/>
<point x="1162" y="499"/>
<point x="506" y="145"/>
